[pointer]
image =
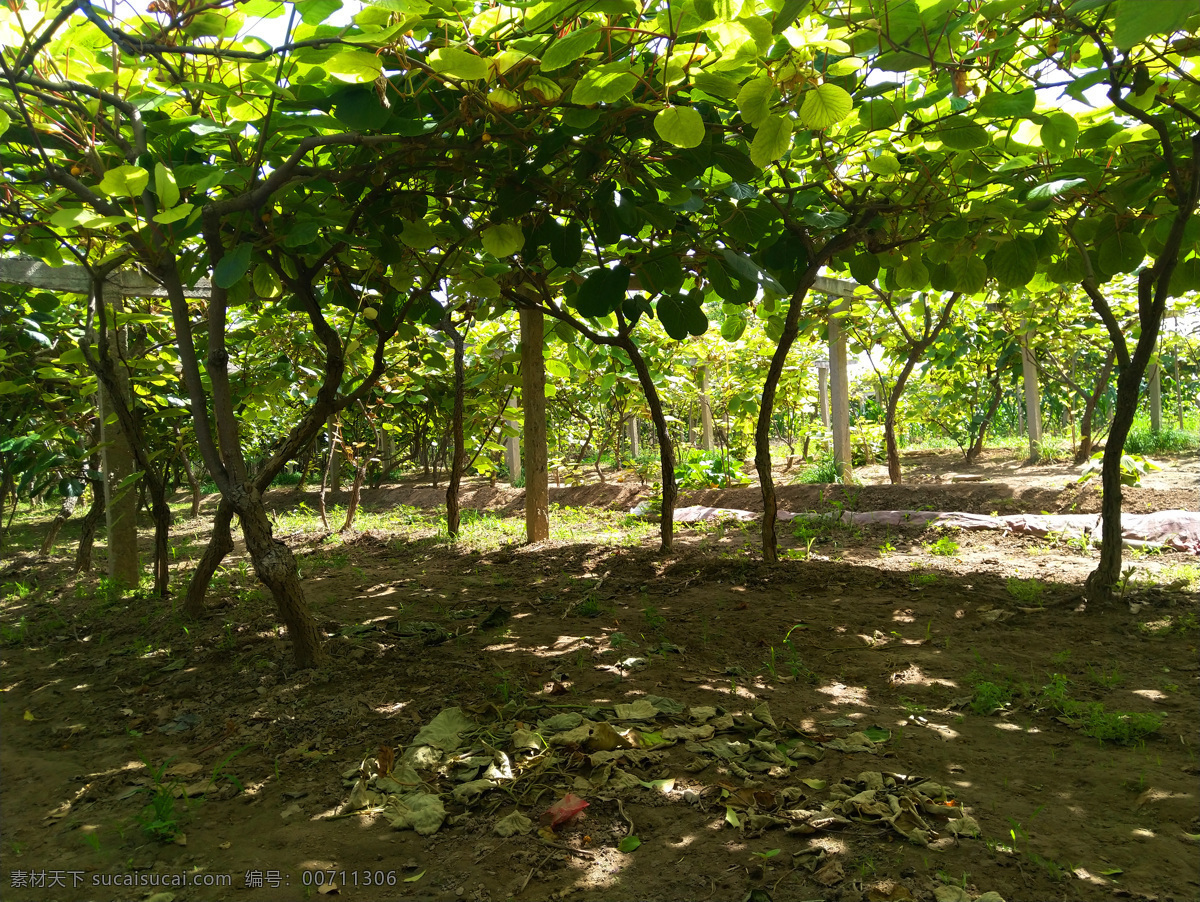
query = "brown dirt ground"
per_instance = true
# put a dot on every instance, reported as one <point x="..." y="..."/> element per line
<point x="895" y="639"/>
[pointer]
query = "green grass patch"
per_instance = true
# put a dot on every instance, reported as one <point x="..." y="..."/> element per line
<point x="1026" y="591"/>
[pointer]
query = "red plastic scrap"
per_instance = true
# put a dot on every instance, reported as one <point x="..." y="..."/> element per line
<point x="563" y="810"/>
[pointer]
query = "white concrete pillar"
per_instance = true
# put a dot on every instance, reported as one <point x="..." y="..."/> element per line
<point x="1033" y="397"/>
<point x="823" y="394"/>
<point x="1155" y="392"/>
<point x="631" y="426"/>
<point x="706" y="422"/>
<point x="512" y="453"/>
<point x="839" y="395"/>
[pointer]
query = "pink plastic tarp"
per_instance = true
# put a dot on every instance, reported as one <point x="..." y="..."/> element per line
<point x="1176" y="529"/>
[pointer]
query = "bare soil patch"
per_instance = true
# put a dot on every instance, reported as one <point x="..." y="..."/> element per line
<point x="108" y="699"/>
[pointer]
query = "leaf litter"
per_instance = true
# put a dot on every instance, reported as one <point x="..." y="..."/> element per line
<point x="514" y="767"/>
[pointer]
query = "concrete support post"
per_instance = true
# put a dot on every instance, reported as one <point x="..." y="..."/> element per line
<point x="839" y="395"/>
<point x="120" y="502"/>
<point x="1033" y="397"/>
<point x="1155" y="392"/>
<point x="823" y="394"/>
<point x="512" y="449"/>
<point x="706" y="420"/>
<point x="338" y="457"/>
<point x="631" y="427"/>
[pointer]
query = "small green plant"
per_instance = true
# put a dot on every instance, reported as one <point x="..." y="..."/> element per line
<point x="159" y="819"/>
<point x="504" y="687"/>
<point x="1167" y="440"/>
<point x="656" y="621"/>
<point x="1106" y="679"/>
<point x="918" y="580"/>
<point x="617" y="640"/>
<point x="822" y="470"/>
<point x="221" y="771"/>
<point x="1026" y="591"/>
<point x="944" y="547"/>
<point x="589" y="607"/>
<point x="1133" y="468"/>
<point x="990" y="697"/>
<point x="766" y="856"/>
<point x="1080" y="544"/>
<point x="698" y="469"/>
<point x="1124" y="728"/>
<point x="15" y="634"/>
<point x="886" y="548"/>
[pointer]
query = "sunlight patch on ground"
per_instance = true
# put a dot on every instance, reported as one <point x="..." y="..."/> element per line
<point x="845" y="695"/>
<point x="1085" y="874"/>
<point x="1016" y="728"/>
<point x="393" y="708"/>
<point x="914" y="676"/>
<point x="1152" y="694"/>
<point x="943" y="730"/>
<point x="599" y="872"/>
<point x="739" y="691"/>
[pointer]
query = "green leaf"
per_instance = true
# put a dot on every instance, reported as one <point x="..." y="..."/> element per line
<point x="1139" y="19"/>
<point x="503" y="240"/>
<point x="694" y="317"/>
<point x="1050" y="190"/>
<point x="755" y="99"/>
<point x="233" y="266"/>
<point x="670" y="313"/>
<point x="1122" y="252"/>
<point x="970" y="273"/>
<point x="74" y="218"/>
<point x="964" y="136"/>
<point x="680" y="125"/>
<point x="315" y="12"/>
<point x="717" y="85"/>
<point x="772" y="141"/>
<point x="865" y="268"/>
<point x="417" y="234"/>
<point x="265" y="282"/>
<point x="998" y="105"/>
<point x="358" y="66"/>
<point x="566" y="244"/>
<point x="878" y="113"/>
<point x="884" y="164"/>
<point x="557" y="368"/>
<point x="5" y="121"/>
<point x="629" y="844"/>
<point x="125" y="181"/>
<point x="733" y="327"/>
<point x="912" y="273"/>
<point x="183" y="211"/>
<point x="602" y="291"/>
<point x="661" y="274"/>
<point x="165" y="186"/>
<point x="566" y="50"/>
<point x="825" y="105"/>
<point x="1014" y="262"/>
<point x="458" y="63"/>
<point x="360" y="109"/>
<point x="604" y="84"/>
<point x="1059" y="133"/>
